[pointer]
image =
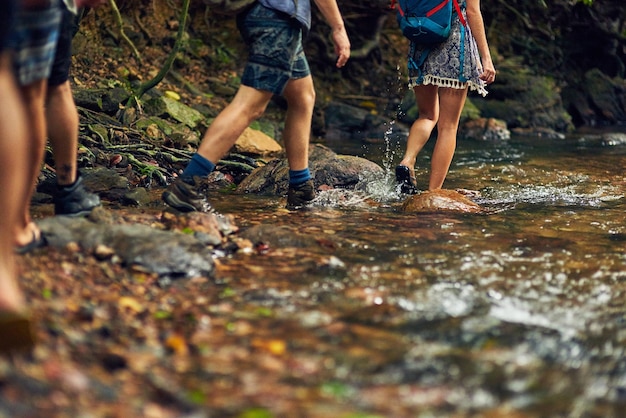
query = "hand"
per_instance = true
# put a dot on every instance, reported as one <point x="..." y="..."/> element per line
<point x="342" y="46"/>
<point x="90" y="3"/>
<point x="489" y="74"/>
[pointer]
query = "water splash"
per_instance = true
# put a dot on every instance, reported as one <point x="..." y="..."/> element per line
<point x="380" y="187"/>
<point x="342" y="198"/>
<point x="384" y="188"/>
<point x="563" y="190"/>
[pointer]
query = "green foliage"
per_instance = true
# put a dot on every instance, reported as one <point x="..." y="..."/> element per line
<point x="224" y="54"/>
<point x="162" y="315"/>
<point x="336" y="390"/>
<point x="197" y="397"/>
<point x="256" y="413"/>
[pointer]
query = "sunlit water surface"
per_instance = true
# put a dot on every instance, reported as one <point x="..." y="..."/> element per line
<point x="524" y="306"/>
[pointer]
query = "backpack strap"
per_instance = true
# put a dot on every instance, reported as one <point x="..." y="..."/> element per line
<point x="415" y="65"/>
<point x="458" y="12"/>
<point x="462" y="77"/>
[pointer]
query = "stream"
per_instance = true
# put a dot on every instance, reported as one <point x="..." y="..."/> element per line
<point x="518" y="311"/>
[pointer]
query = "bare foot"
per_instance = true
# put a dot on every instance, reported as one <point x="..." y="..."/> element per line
<point x="11" y="297"/>
<point x="27" y="235"/>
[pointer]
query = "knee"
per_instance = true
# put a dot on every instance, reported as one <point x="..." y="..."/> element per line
<point x="304" y="98"/>
<point x="63" y="88"/>
<point x="255" y="112"/>
<point x="309" y="97"/>
<point x="427" y="119"/>
<point x="249" y="111"/>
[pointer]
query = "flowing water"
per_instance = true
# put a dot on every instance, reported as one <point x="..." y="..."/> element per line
<point x="521" y="310"/>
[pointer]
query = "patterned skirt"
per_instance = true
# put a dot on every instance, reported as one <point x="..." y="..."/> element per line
<point x="454" y="63"/>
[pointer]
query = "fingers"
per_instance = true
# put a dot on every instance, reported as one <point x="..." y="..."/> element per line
<point x="343" y="58"/>
<point x="342" y="47"/>
<point x="488" y="76"/>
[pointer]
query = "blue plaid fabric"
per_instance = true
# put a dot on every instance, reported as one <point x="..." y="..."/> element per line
<point x="34" y="39"/>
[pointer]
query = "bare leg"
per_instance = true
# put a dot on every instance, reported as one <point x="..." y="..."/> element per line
<point x="300" y="96"/>
<point x="62" y="122"/>
<point x="34" y="98"/>
<point x="247" y="105"/>
<point x="451" y="105"/>
<point x="428" y="106"/>
<point x="13" y="174"/>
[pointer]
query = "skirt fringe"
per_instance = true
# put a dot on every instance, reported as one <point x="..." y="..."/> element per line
<point x="447" y="82"/>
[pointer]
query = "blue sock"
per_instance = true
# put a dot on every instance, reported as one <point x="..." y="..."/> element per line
<point x="299" y="176"/>
<point x="198" y="166"/>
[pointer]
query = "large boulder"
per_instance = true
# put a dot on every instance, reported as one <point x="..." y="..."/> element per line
<point x="351" y="123"/>
<point x="524" y="100"/>
<point x="483" y="129"/>
<point x="328" y="169"/>
<point x="598" y="100"/>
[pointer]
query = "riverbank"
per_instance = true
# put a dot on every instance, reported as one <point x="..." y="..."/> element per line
<point x="349" y="309"/>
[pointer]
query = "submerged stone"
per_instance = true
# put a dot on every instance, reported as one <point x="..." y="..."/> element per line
<point x="440" y="201"/>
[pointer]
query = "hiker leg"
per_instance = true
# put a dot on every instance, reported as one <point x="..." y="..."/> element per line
<point x="34" y="98"/>
<point x="451" y="105"/>
<point x="247" y="105"/>
<point x="300" y="96"/>
<point x="427" y="100"/>
<point x="12" y="181"/>
<point x="62" y="121"/>
<point x="61" y="113"/>
<point x="35" y="35"/>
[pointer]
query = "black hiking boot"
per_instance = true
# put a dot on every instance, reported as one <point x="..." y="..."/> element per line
<point x="300" y="195"/>
<point x="405" y="180"/>
<point x="188" y="197"/>
<point x="75" y="200"/>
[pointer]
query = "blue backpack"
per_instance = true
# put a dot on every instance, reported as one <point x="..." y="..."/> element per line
<point x="426" y="22"/>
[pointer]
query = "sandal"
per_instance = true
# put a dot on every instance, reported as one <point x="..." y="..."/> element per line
<point x="16" y="333"/>
<point x="37" y="241"/>
<point x="406" y="181"/>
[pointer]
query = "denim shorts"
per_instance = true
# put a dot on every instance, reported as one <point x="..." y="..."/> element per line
<point x="275" y="48"/>
<point x="34" y="39"/>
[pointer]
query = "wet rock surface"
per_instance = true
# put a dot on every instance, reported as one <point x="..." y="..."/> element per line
<point x="433" y="201"/>
<point x="186" y="250"/>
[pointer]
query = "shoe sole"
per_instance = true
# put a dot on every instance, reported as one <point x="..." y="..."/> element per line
<point x="80" y="214"/>
<point x="172" y="200"/>
<point x="301" y="205"/>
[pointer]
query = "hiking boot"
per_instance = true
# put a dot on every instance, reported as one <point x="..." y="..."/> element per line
<point x="300" y="195"/>
<point x="75" y="200"/>
<point x="187" y="197"/>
